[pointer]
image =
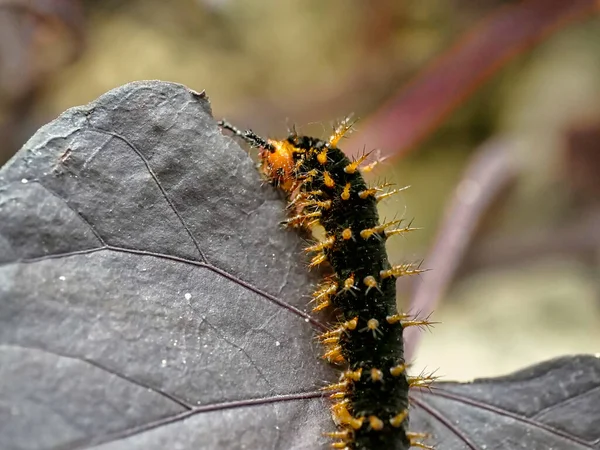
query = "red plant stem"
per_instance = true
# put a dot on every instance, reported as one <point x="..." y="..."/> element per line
<point x="447" y="82"/>
<point x="488" y="175"/>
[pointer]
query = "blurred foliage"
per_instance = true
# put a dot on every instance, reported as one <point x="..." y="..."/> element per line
<point x="268" y="64"/>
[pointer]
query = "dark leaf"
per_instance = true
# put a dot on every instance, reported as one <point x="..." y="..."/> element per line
<point x="149" y="299"/>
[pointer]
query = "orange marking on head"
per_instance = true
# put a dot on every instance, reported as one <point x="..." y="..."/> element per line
<point x="278" y="164"/>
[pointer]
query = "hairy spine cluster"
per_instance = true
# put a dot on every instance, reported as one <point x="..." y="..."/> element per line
<point x="325" y="188"/>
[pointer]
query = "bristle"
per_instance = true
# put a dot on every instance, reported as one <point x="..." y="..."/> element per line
<point x="422" y="381"/>
<point x="415" y="440"/>
<point x="339" y="131"/>
<point x="336" y="387"/>
<point x="344" y="435"/>
<point x="300" y="219"/>
<point x="319" y="204"/>
<point x="384" y="195"/>
<point x="353" y="167"/>
<point x="334" y="355"/>
<point x="400" y="231"/>
<point x="407" y="320"/>
<point x="378" y="230"/>
<point x="401" y="270"/>
<point x="317" y="260"/>
<point x="320" y="246"/>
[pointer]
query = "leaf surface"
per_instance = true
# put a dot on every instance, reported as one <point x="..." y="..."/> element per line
<point x="149" y="299"/>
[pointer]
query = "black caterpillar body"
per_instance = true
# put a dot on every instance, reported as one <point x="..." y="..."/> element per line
<point x="324" y="188"/>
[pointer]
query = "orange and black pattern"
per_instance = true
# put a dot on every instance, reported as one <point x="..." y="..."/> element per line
<point x="325" y="189"/>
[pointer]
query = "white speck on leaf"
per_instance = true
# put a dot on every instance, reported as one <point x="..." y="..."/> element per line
<point x="188" y="296"/>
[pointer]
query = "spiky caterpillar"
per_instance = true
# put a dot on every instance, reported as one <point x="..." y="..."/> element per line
<point x="325" y="188"/>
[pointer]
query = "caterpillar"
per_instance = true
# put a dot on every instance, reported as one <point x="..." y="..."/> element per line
<point x="324" y="188"/>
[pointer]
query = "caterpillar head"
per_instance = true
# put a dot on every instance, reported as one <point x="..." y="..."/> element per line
<point x="278" y="163"/>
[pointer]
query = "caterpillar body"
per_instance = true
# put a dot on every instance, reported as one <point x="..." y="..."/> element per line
<point x="325" y="188"/>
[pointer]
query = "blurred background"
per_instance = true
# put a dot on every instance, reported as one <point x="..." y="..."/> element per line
<point x="489" y="110"/>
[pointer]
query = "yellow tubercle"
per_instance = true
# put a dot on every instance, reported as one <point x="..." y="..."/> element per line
<point x="346" y="192"/>
<point x="376" y="423"/>
<point x="398" y="419"/>
<point x="328" y="180"/>
<point x="322" y="156"/>
<point x="370" y="282"/>
<point x="376" y="374"/>
<point x="398" y="370"/>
